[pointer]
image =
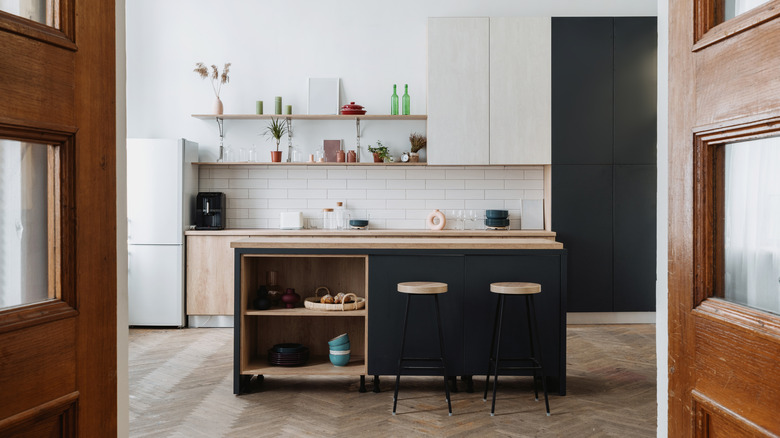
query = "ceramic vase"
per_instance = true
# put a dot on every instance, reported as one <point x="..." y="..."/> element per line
<point x="217" y="109"/>
<point x="290" y="298"/>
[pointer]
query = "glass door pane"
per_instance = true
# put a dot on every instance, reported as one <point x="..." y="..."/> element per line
<point x="24" y="223"/>
<point x="735" y="7"/>
<point x="752" y="224"/>
<point x="41" y="11"/>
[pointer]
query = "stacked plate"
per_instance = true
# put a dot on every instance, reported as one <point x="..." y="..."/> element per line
<point x="288" y="355"/>
<point x="497" y="219"/>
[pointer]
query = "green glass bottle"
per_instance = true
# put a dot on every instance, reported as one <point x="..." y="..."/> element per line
<point x="405" y="101"/>
<point x="394" y="103"/>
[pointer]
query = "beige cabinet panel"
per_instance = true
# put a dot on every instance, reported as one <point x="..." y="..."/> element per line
<point x="210" y="275"/>
<point x="520" y="90"/>
<point x="458" y="91"/>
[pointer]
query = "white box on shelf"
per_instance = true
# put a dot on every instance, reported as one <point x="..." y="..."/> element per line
<point x="291" y="220"/>
<point x="532" y="216"/>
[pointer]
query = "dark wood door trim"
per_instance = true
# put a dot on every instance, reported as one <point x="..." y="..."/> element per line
<point x="58" y="406"/>
<point x="711" y="27"/>
<point x="704" y="408"/>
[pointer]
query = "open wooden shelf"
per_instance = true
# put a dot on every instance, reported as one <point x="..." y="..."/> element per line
<point x="315" y="366"/>
<point x="302" y="311"/>
<point x="310" y="116"/>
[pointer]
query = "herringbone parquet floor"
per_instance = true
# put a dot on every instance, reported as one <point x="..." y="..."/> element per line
<point x="181" y="386"/>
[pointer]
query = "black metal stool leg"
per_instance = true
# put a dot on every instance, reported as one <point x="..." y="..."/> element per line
<point x="400" y="356"/>
<point x="532" y="342"/>
<point x="498" y="347"/>
<point x="376" y="383"/>
<point x="441" y="351"/>
<point x="362" y="383"/>
<point x="539" y="359"/>
<point x="492" y="349"/>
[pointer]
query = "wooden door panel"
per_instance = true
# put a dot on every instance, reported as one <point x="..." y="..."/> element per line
<point x="748" y="384"/>
<point x="748" y="54"/>
<point x="32" y="73"/>
<point x="52" y="366"/>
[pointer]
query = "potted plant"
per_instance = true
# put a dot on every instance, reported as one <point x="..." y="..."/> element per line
<point x="276" y="129"/>
<point x="381" y="154"/>
<point x="418" y="141"/>
<point x="217" y="80"/>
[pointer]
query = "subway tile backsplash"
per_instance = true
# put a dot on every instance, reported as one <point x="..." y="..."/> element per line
<point x="390" y="196"/>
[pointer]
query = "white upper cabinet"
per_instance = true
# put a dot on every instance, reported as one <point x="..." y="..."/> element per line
<point x="489" y="90"/>
<point x="458" y="91"/>
<point x="520" y="90"/>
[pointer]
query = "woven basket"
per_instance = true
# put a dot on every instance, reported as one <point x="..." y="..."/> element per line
<point x="315" y="304"/>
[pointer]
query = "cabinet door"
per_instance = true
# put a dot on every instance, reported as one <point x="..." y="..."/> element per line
<point x="582" y="89"/>
<point x="386" y="311"/>
<point x="520" y="99"/>
<point x="582" y="217"/>
<point x="480" y="310"/>
<point x="458" y="91"/>
<point x="635" y="235"/>
<point x="635" y="90"/>
<point x="210" y="275"/>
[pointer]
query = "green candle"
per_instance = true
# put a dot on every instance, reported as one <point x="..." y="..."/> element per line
<point x="278" y="105"/>
<point x="259" y="108"/>
<point x="289" y="109"/>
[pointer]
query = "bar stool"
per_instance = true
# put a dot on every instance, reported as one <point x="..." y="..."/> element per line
<point x="422" y="288"/>
<point x="528" y="290"/>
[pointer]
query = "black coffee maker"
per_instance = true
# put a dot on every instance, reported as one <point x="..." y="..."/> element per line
<point x="210" y="211"/>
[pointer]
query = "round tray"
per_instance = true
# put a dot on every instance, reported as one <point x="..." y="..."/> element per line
<point x="314" y="302"/>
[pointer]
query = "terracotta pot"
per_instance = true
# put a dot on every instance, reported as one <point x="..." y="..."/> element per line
<point x="340" y="157"/>
<point x="351" y="157"/>
<point x="276" y="156"/>
<point x="378" y="158"/>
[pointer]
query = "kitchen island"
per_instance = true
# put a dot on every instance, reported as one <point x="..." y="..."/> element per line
<point x="370" y="263"/>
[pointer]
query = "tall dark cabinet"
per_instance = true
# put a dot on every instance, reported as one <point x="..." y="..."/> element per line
<point x="604" y="159"/>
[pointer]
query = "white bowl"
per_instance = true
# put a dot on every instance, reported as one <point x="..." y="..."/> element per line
<point x="338" y="353"/>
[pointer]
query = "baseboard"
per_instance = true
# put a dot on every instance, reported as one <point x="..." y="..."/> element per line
<point x="209" y="321"/>
<point x="610" y="318"/>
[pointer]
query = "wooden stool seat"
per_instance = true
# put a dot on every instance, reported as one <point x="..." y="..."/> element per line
<point x="422" y="287"/>
<point x="513" y="288"/>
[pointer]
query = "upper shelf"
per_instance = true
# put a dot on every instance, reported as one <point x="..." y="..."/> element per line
<point x="310" y="116"/>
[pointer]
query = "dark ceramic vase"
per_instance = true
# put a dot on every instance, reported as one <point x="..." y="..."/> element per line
<point x="262" y="302"/>
<point x="290" y="298"/>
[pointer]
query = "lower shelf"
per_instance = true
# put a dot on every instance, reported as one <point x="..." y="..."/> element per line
<point x="315" y="366"/>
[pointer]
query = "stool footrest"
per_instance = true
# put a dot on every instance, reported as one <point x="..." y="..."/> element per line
<point x="421" y="359"/>
<point x="421" y="368"/>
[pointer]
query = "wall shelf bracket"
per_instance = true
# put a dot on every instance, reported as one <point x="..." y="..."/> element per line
<point x="221" y="127"/>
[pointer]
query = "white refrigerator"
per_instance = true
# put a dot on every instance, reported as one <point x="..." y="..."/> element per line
<point x="162" y="184"/>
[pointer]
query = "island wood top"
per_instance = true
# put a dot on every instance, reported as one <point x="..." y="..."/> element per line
<point x="400" y="242"/>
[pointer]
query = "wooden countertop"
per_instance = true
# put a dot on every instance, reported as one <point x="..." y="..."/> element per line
<point x="400" y="242"/>
<point x="484" y="234"/>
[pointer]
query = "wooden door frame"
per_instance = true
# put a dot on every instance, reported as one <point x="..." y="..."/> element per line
<point x="85" y="132"/>
<point x="701" y="118"/>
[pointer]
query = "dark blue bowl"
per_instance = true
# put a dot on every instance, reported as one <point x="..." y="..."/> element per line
<point x="496" y="222"/>
<point x="358" y="223"/>
<point x="496" y="214"/>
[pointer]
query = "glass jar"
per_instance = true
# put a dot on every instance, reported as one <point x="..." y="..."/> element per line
<point x="329" y="219"/>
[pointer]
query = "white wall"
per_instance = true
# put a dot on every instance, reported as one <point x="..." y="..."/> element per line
<point x="662" y="222"/>
<point x="276" y="45"/>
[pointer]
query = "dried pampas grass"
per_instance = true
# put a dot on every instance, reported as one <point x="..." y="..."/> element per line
<point x="220" y="79"/>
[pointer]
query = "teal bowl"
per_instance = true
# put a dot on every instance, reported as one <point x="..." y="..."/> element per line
<point x="338" y="340"/>
<point x="342" y="347"/>
<point x="339" y="360"/>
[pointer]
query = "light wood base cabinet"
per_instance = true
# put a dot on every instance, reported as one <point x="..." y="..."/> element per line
<point x="210" y="274"/>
